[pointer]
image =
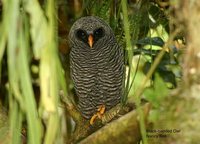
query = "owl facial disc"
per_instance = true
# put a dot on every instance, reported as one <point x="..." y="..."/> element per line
<point x="90" y="37"/>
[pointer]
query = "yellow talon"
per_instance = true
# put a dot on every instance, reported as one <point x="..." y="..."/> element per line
<point x="93" y="119"/>
<point x="100" y="112"/>
<point x="101" y="109"/>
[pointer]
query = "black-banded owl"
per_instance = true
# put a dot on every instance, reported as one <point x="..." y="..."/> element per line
<point x="96" y="65"/>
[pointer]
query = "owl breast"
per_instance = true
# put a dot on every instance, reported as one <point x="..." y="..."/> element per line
<point x="97" y="77"/>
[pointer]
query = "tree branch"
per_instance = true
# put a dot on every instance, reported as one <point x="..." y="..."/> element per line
<point x="123" y="130"/>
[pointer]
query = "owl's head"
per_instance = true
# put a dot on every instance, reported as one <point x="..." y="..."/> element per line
<point x="90" y="32"/>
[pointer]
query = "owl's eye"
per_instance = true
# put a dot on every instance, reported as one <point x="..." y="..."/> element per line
<point x="98" y="33"/>
<point x="82" y="35"/>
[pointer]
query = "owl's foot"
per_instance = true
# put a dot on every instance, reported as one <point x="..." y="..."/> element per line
<point x="99" y="114"/>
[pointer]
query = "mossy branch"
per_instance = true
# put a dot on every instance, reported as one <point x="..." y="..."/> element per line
<point x="113" y="133"/>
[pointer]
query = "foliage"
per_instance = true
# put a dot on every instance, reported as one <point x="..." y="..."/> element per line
<point x="18" y="28"/>
<point x="32" y="76"/>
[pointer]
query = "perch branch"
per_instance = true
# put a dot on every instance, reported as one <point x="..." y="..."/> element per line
<point x="123" y="130"/>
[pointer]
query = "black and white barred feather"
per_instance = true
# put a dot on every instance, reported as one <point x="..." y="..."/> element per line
<point x="97" y="72"/>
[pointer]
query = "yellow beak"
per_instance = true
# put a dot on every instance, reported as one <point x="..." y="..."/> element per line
<point x="90" y="40"/>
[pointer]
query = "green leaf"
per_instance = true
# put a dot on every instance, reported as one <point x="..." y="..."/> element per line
<point x="39" y="27"/>
<point x="156" y="93"/>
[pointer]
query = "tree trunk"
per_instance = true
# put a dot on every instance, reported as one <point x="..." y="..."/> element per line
<point x="181" y="110"/>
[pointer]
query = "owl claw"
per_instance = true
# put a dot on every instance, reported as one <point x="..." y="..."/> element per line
<point x="99" y="114"/>
<point x="93" y="118"/>
<point x="101" y="109"/>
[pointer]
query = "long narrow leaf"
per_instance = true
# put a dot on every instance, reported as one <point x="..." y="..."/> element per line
<point x="34" y="124"/>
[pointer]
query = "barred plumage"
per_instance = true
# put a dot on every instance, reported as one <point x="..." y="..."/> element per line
<point x="97" y="71"/>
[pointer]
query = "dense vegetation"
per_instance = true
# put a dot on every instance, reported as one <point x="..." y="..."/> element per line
<point x="36" y="93"/>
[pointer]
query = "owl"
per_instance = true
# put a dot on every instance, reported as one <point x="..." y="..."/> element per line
<point x="96" y="66"/>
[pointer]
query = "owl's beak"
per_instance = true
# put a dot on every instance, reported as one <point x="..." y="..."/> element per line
<point x="90" y="40"/>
